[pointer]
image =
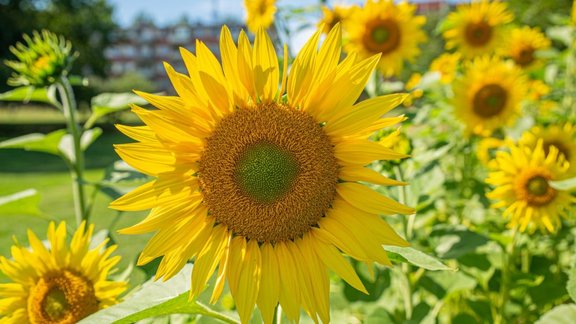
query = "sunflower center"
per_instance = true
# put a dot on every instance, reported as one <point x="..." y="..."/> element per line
<point x="532" y="186"/>
<point x="479" y="33"/>
<point x="62" y="297"/>
<point x="382" y="36"/>
<point x="525" y="57"/>
<point x="268" y="173"/>
<point x="42" y="63"/>
<point x="560" y="146"/>
<point x="490" y="100"/>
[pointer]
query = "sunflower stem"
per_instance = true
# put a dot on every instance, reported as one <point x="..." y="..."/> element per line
<point x="408" y="232"/>
<point x="569" y="100"/>
<point x="507" y="257"/>
<point x="77" y="164"/>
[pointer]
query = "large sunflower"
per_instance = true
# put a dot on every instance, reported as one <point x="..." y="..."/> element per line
<point x="524" y="42"/>
<point x="262" y="185"/>
<point x="383" y="27"/>
<point x="488" y="95"/>
<point x="561" y="137"/>
<point x="58" y="284"/>
<point x="477" y="28"/>
<point x="259" y="13"/>
<point x="521" y="177"/>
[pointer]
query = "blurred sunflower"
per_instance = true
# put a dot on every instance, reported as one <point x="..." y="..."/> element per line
<point x="521" y="177"/>
<point x="383" y="27"/>
<point x="260" y="14"/>
<point x="330" y="17"/>
<point x="488" y="95"/>
<point x="264" y="186"/>
<point x="447" y="65"/>
<point x="41" y="61"/>
<point x="477" y="28"/>
<point x="537" y="89"/>
<point x="523" y="43"/>
<point x="58" y="284"/>
<point x="561" y="137"/>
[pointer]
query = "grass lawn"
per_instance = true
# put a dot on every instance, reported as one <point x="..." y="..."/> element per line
<point x="21" y="170"/>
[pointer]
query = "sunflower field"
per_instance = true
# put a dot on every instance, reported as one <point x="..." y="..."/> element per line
<point x="411" y="162"/>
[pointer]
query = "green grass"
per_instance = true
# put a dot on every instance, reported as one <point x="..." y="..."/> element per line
<point x="21" y="170"/>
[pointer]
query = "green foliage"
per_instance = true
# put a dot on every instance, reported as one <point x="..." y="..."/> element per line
<point x="23" y="202"/>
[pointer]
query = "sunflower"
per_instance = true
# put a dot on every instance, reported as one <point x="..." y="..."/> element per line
<point x="58" y="284"/>
<point x="488" y="95"/>
<point x="521" y="177"/>
<point x="524" y="42"/>
<point x="561" y="137"/>
<point x="385" y="28"/>
<point x="447" y="65"/>
<point x="330" y="17"/>
<point x="260" y="14"/>
<point x="262" y="185"/>
<point x="477" y="28"/>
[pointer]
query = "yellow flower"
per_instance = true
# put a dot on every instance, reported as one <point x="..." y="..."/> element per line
<point x="447" y="65"/>
<point x="520" y="178"/>
<point x="388" y="29"/>
<point x="486" y="148"/>
<point x="262" y="185"/>
<point x="537" y="89"/>
<point x="488" y="95"/>
<point x="574" y="12"/>
<point x="523" y="43"/>
<point x="58" y="284"/>
<point x="330" y="17"/>
<point x="45" y="58"/>
<point x="477" y="28"/>
<point x="561" y="137"/>
<point x="260" y="14"/>
<point x="396" y="141"/>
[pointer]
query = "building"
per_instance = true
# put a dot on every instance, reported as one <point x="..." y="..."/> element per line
<point x="143" y="47"/>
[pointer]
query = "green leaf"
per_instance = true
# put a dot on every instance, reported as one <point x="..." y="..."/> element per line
<point x="48" y="143"/>
<point x="121" y="178"/>
<point x="23" y="202"/>
<point x="156" y="299"/>
<point x="107" y="103"/>
<point x="418" y="258"/>
<point x="571" y="286"/>
<point x="559" y="315"/>
<point x="455" y="242"/>
<point x="30" y="93"/>
<point x="89" y="136"/>
<point x="567" y="184"/>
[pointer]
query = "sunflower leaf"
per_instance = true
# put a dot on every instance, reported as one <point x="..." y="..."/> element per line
<point x="417" y="258"/>
<point x="23" y="202"/>
<point x="559" y="315"/>
<point x="29" y="93"/>
<point x="47" y="143"/>
<point x="107" y="103"/>
<point x="156" y="299"/>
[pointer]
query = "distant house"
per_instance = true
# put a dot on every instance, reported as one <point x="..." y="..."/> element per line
<point x="144" y="46"/>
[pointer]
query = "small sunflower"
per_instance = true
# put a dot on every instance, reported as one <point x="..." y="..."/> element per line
<point x="262" y="185"/>
<point x="330" y="17"/>
<point x="260" y="14"/>
<point x="383" y="27"/>
<point x="523" y="43"/>
<point x="561" y="137"/>
<point x="58" y="284"/>
<point x="447" y="65"/>
<point x="521" y="177"/>
<point x="477" y="28"/>
<point x="488" y="95"/>
<point x="41" y="61"/>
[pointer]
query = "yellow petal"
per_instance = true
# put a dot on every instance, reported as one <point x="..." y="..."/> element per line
<point x="370" y="201"/>
<point x="362" y="152"/>
<point x="290" y="287"/>
<point x="270" y="284"/>
<point x="249" y="282"/>
<point x="266" y="71"/>
<point x="208" y="259"/>
<point x="359" y="173"/>
<point x="362" y="115"/>
<point x="334" y="260"/>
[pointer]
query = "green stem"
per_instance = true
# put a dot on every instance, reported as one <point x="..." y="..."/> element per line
<point x="569" y="85"/>
<point x="77" y="165"/>
<point x="408" y="232"/>
<point x="507" y="264"/>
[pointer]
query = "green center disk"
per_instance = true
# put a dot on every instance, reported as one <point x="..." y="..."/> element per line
<point x="538" y="186"/>
<point x="266" y="172"/>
